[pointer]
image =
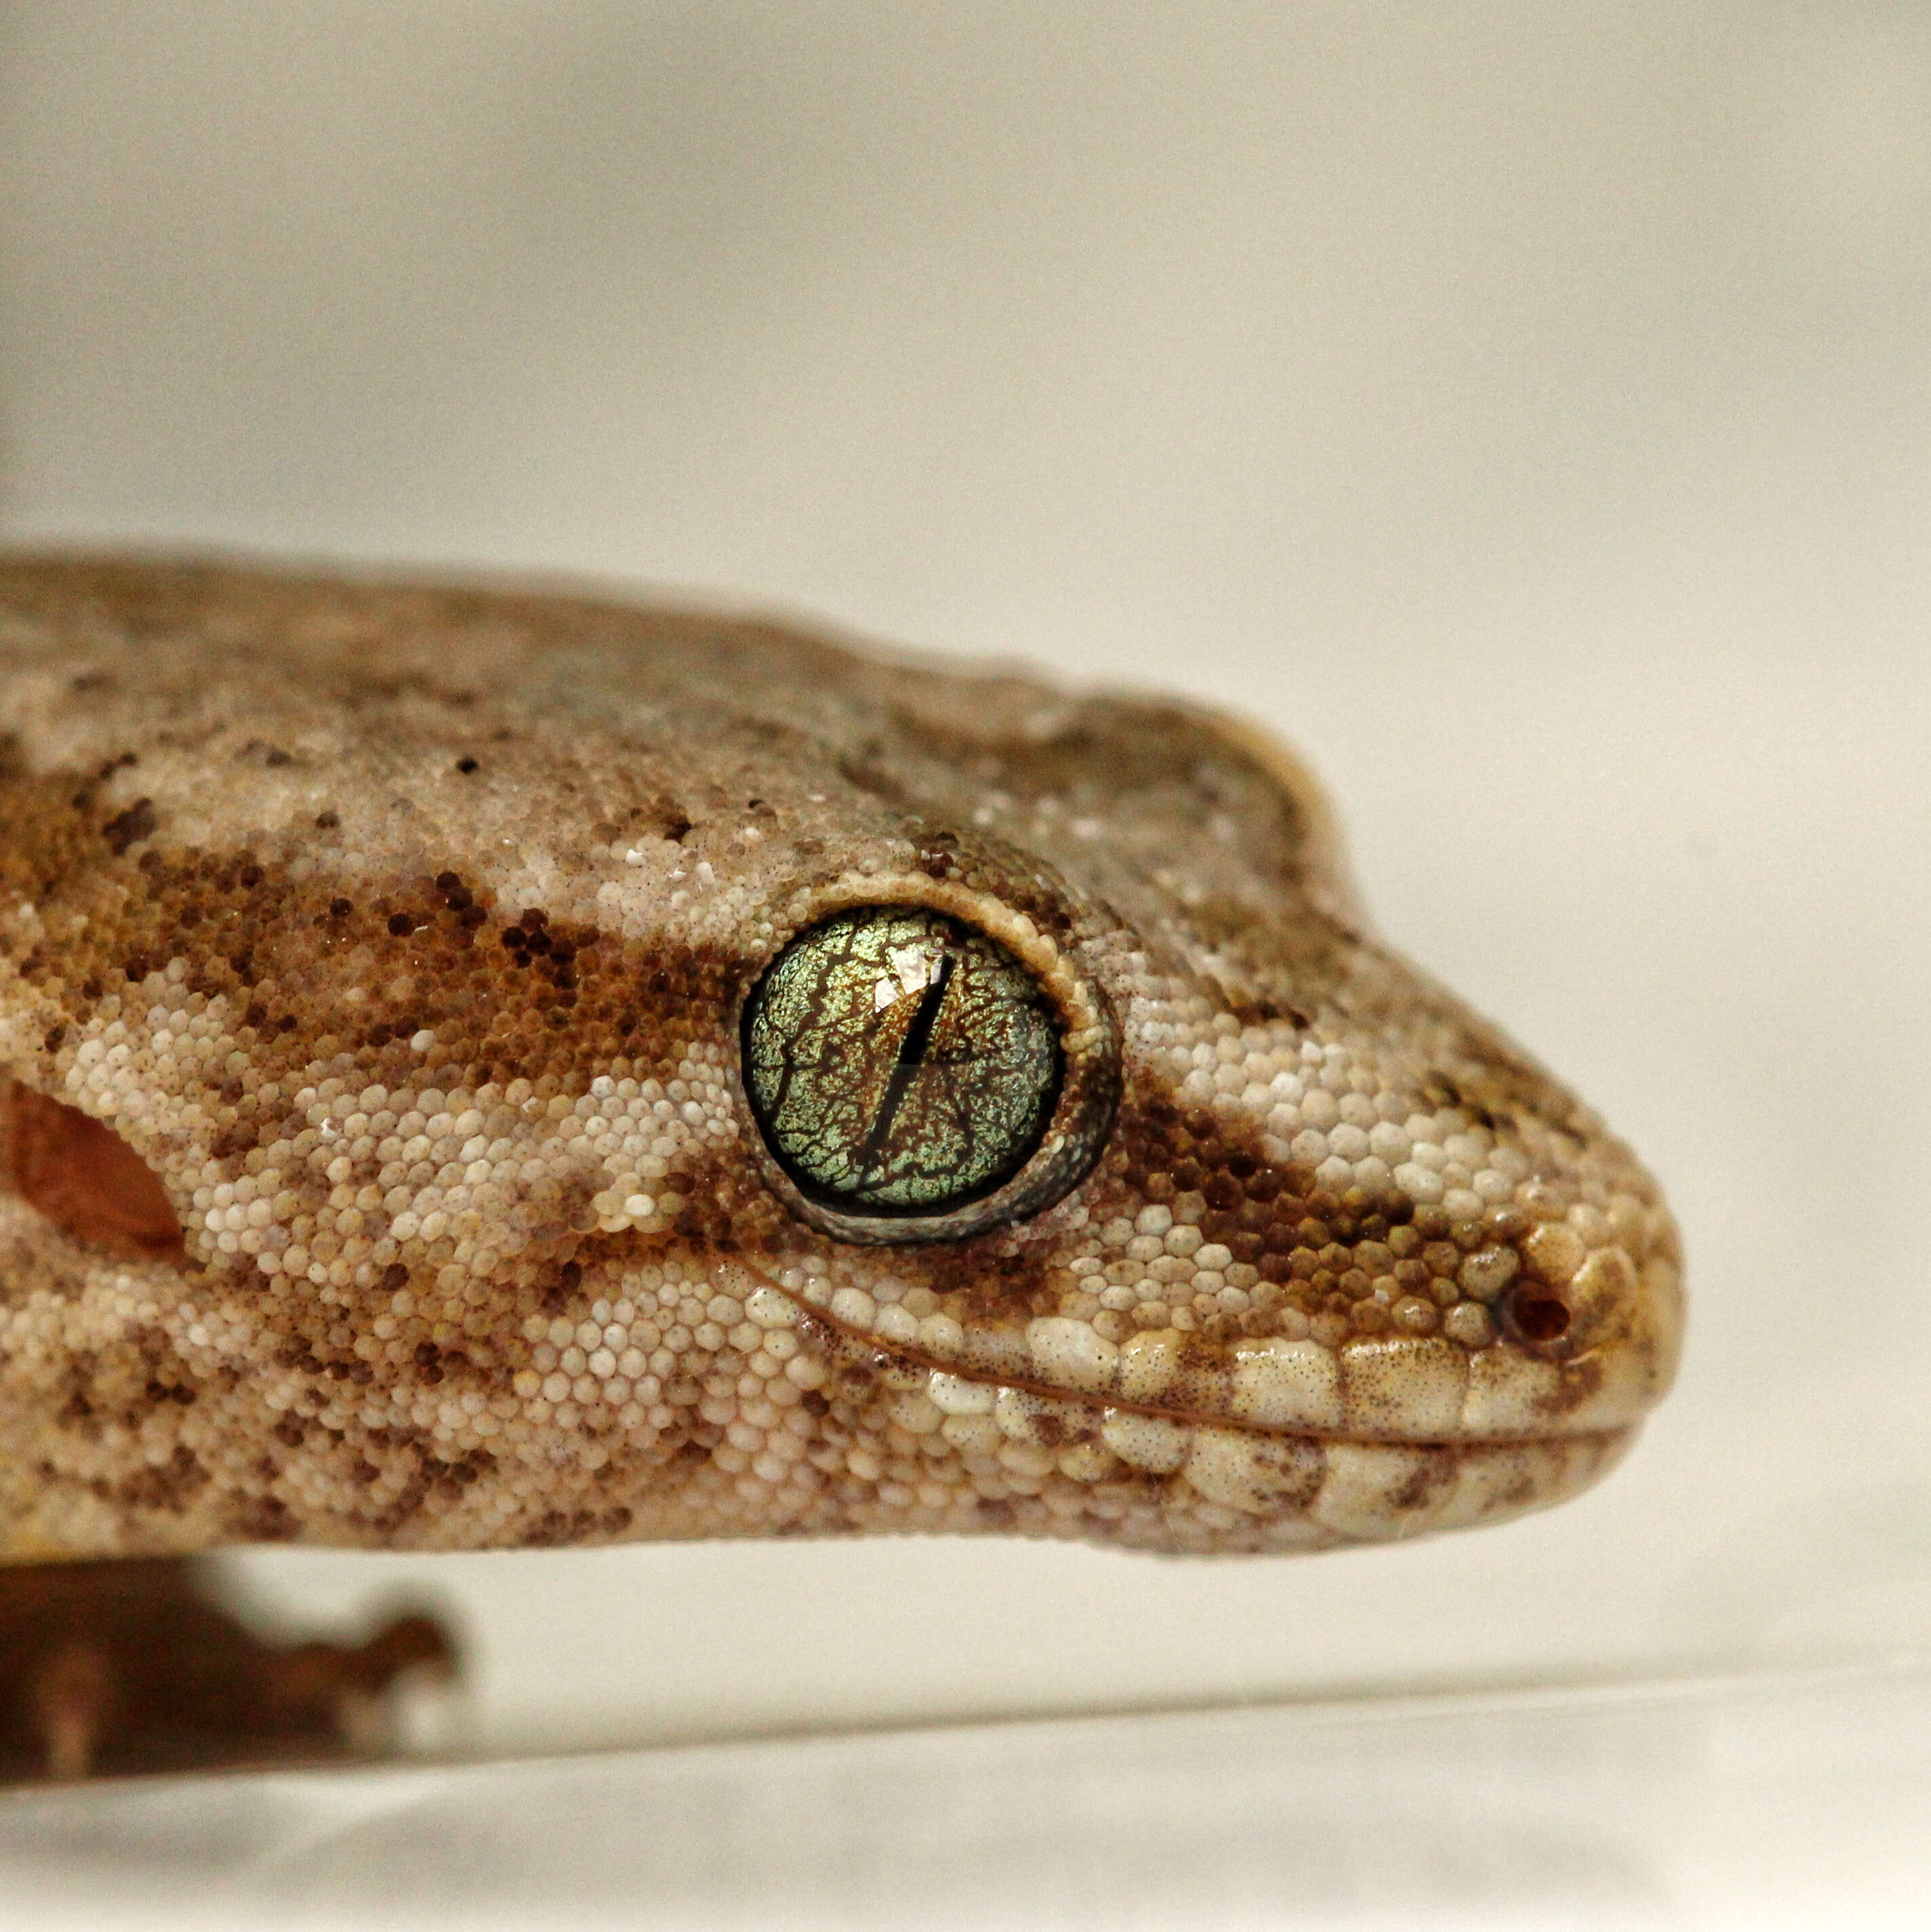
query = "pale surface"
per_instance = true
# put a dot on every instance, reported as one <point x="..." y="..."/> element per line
<point x="1755" y="1803"/>
<point x="1548" y="399"/>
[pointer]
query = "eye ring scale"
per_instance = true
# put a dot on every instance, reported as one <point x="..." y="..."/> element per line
<point x="910" y="1076"/>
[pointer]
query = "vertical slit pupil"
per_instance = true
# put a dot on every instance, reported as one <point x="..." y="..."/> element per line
<point x="912" y="1050"/>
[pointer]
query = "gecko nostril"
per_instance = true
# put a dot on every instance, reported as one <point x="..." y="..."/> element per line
<point x="77" y="1172"/>
<point x="1533" y="1315"/>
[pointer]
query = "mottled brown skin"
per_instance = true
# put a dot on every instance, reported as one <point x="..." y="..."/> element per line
<point x="276" y="850"/>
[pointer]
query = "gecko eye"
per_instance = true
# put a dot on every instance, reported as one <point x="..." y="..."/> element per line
<point x="901" y="1063"/>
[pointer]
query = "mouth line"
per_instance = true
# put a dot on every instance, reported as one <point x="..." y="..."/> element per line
<point x="873" y="1350"/>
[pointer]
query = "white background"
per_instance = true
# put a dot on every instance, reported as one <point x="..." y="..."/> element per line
<point x="1524" y="409"/>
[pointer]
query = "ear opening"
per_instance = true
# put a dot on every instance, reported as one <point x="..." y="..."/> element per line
<point x="78" y="1173"/>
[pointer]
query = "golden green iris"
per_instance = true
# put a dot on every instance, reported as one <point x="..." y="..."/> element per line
<point x="900" y="1062"/>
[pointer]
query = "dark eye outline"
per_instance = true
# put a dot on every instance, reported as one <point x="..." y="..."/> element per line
<point x="1075" y="1133"/>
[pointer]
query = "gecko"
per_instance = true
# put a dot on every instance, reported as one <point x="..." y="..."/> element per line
<point x="484" y="1068"/>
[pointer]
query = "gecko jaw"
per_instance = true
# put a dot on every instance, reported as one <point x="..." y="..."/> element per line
<point x="912" y="1367"/>
<point x="1296" y="1488"/>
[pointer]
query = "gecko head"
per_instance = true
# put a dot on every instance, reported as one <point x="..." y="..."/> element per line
<point x="1345" y="1267"/>
<point x="488" y="1070"/>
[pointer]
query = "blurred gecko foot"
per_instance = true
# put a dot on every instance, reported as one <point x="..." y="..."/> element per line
<point x="134" y="1665"/>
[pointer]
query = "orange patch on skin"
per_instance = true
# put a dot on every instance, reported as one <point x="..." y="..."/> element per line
<point x="77" y="1172"/>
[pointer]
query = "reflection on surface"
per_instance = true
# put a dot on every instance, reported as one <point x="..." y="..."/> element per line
<point x="1796" y="1796"/>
